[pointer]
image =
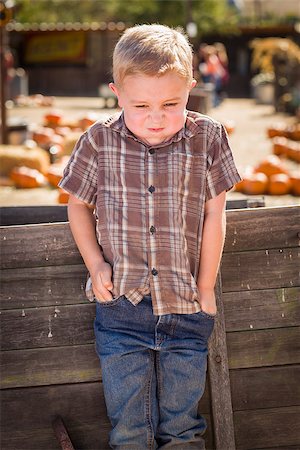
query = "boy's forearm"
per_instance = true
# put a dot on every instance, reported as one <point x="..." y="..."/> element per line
<point x="211" y="250"/>
<point x="82" y="223"/>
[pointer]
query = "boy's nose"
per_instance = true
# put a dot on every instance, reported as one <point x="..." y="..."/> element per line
<point x="156" y="116"/>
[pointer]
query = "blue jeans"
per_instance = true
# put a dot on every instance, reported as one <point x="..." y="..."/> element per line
<point x="154" y="371"/>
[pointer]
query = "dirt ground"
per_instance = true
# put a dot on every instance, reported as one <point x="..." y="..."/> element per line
<point x="249" y="140"/>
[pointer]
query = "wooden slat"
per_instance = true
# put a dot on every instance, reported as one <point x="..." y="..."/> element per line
<point x="262" y="228"/>
<point x="26" y="423"/>
<point x="42" y="286"/>
<point x="47" y="327"/>
<point x="24" y="215"/>
<point x="270" y="231"/>
<point x="53" y="365"/>
<point x="267" y="428"/>
<point x="260" y="348"/>
<point x="265" y="387"/>
<point x="260" y="269"/>
<point x="27" y="415"/>
<point x="219" y="379"/>
<point x="267" y="308"/>
<point x="38" y="245"/>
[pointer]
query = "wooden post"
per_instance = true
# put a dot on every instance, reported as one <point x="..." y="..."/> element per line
<point x="219" y="382"/>
<point x="3" y="134"/>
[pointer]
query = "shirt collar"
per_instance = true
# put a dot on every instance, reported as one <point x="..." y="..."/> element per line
<point x="190" y="129"/>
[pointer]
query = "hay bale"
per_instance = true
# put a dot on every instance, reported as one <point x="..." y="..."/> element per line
<point x="70" y="141"/>
<point x="19" y="155"/>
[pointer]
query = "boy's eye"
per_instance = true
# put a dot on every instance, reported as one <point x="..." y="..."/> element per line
<point x="141" y="106"/>
<point x="170" y="104"/>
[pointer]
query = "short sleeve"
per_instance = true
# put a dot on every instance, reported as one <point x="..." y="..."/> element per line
<point x="80" y="174"/>
<point x="222" y="173"/>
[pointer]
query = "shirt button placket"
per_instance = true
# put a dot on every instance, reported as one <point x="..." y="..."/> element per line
<point x="152" y="228"/>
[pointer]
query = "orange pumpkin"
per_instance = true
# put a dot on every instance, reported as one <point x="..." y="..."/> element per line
<point x="53" y="118"/>
<point x="229" y="126"/>
<point x="295" y="180"/>
<point x="54" y="174"/>
<point x="279" y="184"/>
<point x="87" y="121"/>
<point x="280" y="146"/>
<point x="294" y="132"/>
<point x="254" y="183"/>
<point x="26" y="178"/>
<point x="43" y="136"/>
<point x="278" y="129"/>
<point x="293" y="151"/>
<point x="63" y="196"/>
<point x="271" y="165"/>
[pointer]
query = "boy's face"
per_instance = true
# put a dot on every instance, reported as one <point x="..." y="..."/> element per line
<point x="154" y="106"/>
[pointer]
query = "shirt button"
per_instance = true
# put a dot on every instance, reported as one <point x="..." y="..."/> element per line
<point x="152" y="229"/>
<point x="154" y="272"/>
<point x="151" y="189"/>
<point x="152" y="151"/>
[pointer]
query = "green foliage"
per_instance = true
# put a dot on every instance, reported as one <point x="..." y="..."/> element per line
<point x="210" y="15"/>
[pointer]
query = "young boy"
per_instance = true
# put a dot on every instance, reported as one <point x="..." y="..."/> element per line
<point x="147" y="213"/>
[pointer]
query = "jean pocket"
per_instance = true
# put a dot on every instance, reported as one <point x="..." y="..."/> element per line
<point x="110" y="303"/>
<point x="207" y="315"/>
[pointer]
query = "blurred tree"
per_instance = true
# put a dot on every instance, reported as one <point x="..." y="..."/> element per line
<point x="209" y="15"/>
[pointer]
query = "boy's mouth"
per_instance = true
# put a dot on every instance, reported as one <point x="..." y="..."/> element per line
<point x="155" y="130"/>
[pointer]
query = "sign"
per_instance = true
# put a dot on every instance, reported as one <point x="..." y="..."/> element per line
<point x="56" y="47"/>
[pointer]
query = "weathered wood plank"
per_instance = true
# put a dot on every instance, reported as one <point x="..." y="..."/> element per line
<point x="261" y="309"/>
<point x="48" y="240"/>
<point x="38" y="245"/>
<point x="45" y="366"/>
<point x="24" y="215"/>
<point x="219" y="379"/>
<point x="265" y="387"/>
<point x="267" y="428"/>
<point x="262" y="228"/>
<point x="42" y="286"/>
<point x="80" y="405"/>
<point x="260" y="348"/>
<point x="27" y="415"/>
<point x="47" y="327"/>
<point x="275" y="268"/>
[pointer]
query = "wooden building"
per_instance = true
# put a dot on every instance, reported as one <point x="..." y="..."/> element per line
<point x="75" y="59"/>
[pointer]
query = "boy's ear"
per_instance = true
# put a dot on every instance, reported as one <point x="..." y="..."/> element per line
<point x="114" y="89"/>
<point x="193" y="84"/>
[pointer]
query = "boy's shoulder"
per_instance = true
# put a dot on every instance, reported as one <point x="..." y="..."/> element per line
<point x="199" y="123"/>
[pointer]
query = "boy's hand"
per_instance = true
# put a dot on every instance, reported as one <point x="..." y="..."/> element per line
<point x="208" y="301"/>
<point x="101" y="280"/>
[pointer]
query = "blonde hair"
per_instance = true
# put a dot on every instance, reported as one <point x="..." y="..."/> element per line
<point x="152" y="50"/>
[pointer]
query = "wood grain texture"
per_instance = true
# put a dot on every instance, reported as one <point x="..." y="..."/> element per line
<point x="52" y="365"/>
<point x="47" y="327"/>
<point x="43" y="286"/>
<point x="265" y="387"/>
<point x="38" y="245"/>
<point x="262" y="228"/>
<point x="276" y="427"/>
<point x="261" y="348"/>
<point x="261" y="309"/>
<point x="221" y="404"/>
<point x="24" y="215"/>
<point x="261" y="269"/>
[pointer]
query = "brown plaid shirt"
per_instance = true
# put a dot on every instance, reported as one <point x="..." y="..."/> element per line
<point x="150" y="204"/>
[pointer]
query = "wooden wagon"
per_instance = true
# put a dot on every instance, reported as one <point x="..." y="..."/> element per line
<point x="48" y="362"/>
